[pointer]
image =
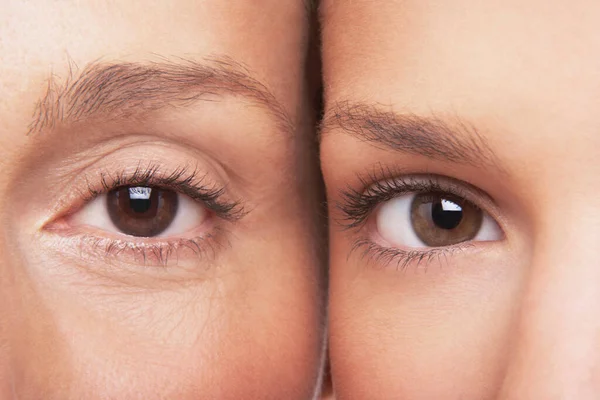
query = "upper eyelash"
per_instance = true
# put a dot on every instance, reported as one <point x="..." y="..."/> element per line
<point x="356" y="206"/>
<point x="183" y="180"/>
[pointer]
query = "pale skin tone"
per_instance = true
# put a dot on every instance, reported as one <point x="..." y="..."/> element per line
<point x="513" y="316"/>
<point x="223" y="305"/>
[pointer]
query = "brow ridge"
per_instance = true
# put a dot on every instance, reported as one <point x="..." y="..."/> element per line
<point x="123" y="89"/>
<point x="451" y="139"/>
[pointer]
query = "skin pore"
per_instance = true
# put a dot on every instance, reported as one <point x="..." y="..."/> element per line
<point x="491" y="104"/>
<point x="101" y="100"/>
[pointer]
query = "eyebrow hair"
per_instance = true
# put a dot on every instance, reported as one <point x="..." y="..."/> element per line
<point x="453" y="140"/>
<point x="124" y="89"/>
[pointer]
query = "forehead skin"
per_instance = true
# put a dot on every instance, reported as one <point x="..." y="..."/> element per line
<point x="493" y="59"/>
<point x="40" y="38"/>
<point x="269" y="37"/>
<point x="526" y="74"/>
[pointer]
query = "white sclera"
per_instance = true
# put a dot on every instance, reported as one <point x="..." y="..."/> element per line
<point x="189" y="215"/>
<point x="394" y="224"/>
<point x="489" y="231"/>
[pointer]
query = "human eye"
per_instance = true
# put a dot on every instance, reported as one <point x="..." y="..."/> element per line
<point x="418" y="218"/>
<point x="142" y="211"/>
<point x="148" y="213"/>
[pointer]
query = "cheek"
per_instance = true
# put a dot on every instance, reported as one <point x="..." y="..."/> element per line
<point x="34" y="353"/>
<point x="437" y="332"/>
<point x="247" y="334"/>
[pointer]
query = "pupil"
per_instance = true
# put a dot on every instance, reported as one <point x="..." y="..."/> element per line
<point x="139" y="206"/>
<point x="446" y="214"/>
<point x="140" y="199"/>
<point x="141" y="211"/>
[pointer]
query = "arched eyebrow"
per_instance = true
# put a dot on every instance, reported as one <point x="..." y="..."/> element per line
<point x="124" y="89"/>
<point x="452" y="140"/>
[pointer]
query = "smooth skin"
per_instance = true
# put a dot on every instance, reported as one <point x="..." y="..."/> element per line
<point x="244" y="318"/>
<point x="515" y="318"/>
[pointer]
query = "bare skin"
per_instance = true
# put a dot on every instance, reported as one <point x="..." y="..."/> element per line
<point x="497" y="101"/>
<point x="225" y="303"/>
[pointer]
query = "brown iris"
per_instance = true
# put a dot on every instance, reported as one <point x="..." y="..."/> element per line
<point x="440" y="219"/>
<point x="142" y="211"/>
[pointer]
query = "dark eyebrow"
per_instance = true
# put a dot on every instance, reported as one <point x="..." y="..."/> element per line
<point x="452" y="140"/>
<point x="123" y="89"/>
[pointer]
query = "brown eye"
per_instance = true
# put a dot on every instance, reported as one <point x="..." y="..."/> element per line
<point x="442" y="220"/>
<point x="142" y="211"/>
<point x="433" y="219"/>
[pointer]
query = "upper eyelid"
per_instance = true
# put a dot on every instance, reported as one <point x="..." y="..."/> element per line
<point x="351" y="197"/>
<point x="93" y="184"/>
<point x="188" y="181"/>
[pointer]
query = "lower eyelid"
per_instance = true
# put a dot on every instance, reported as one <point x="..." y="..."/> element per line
<point x="377" y="256"/>
<point x="117" y="255"/>
<point x="376" y="253"/>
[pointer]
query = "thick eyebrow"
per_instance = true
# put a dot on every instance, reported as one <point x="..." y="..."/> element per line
<point x="452" y="140"/>
<point x="123" y="89"/>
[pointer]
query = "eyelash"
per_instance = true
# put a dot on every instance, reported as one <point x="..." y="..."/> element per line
<point x="385" y="256"/>
<point x="182" y="180"/>
<point x="188" y="182"/>
<point x="357" y="206"/>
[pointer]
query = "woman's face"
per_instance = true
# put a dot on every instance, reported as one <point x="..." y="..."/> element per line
<point x="158" y="202"/>
<point x="460" y="154"/>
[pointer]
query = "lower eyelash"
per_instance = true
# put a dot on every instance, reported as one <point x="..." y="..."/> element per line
<point x="385" y="256"/>
<point x="158" y="254"/>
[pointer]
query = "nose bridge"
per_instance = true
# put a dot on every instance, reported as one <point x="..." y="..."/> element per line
<point x="555" y="351"/>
